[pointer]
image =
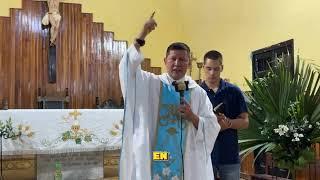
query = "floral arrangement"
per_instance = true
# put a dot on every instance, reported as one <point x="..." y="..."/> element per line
<point x="25" y="130"/>
<point x="116" y="128"/>
<point x="9" y="131"/>
<point x="77" y="134"/>
<point x="284" y="110"/>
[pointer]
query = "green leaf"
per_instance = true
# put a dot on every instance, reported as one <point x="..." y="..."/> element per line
<point x="316" y="114"/>
<point x="244" y="153"/>
<point x="267" y="147"/>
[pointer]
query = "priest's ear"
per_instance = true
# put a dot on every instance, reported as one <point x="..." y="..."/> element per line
<point x="190" y="63"/>
<point x="165" y="60"/>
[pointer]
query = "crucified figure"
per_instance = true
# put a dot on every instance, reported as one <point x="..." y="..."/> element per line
<point x="53" y="17"/>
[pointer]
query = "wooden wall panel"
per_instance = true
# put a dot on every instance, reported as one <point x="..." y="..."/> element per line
<point x="71" y="52"/>
<point x="108" y="40"/>
<point x="86" y="26"/>
<point x="118" y="50"/>
<point x="87" y="57"/>
<point x="96" y="60"/>
<point x="5" y="63"/>
<point x="246" y="165"/>
<point x="27" y="50"/>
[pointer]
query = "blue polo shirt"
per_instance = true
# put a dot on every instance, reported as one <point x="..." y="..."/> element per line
<point x="226" y="148"/>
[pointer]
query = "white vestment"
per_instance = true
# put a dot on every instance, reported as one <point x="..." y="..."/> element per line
<point x="141" y="91"/>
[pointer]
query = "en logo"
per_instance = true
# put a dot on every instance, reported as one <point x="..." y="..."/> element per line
<point x="160" y="156"/>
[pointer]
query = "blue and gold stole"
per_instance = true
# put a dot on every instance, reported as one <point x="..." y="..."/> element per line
<point x="168" y="136"/>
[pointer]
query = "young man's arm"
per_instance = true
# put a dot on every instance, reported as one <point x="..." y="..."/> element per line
<point x="241" y="122"/>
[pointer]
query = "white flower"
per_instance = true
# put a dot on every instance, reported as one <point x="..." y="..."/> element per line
<point x="166" y="171"/>
<point x="296" y="137"/>
<point x="281" y="133"/>
<point x="318" y="123"/>
<point x="284" y="128"/>
<point x="281" y="130"/>
<point x="175" y="178"/>
<point x="156" y="177"/>
<point x="27" y="132"/>
<point x="310" y="126"/>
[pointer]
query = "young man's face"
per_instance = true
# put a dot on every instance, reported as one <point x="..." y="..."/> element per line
<point x="177" y="62"/>
<point x="212" y="70"/>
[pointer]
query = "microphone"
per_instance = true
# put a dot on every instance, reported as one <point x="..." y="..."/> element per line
<point x="181" y="87"/>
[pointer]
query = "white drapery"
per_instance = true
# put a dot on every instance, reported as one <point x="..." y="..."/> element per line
<point x="62" y="130"/>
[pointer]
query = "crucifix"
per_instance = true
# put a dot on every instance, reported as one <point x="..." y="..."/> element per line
<point x="192" y="58"/>
<point x="199" y="65"/>
<point x="52" y="18"/>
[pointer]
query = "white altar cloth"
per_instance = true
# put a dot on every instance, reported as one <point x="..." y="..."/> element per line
<point x="51" y="131"/>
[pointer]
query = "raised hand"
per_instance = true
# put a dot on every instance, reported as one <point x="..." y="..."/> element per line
<point x="148" y="26"/>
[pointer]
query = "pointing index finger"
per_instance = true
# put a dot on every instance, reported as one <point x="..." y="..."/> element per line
<point x="151" y="17"/>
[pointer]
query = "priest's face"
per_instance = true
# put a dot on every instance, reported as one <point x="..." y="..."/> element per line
<point x="177" y="62"/>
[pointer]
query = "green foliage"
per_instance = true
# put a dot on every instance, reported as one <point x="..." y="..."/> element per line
<point x="284" y="113"/>
<point x="6" y="129"/>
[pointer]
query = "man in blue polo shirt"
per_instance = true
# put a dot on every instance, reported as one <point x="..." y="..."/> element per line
<point x="232" y="115"/>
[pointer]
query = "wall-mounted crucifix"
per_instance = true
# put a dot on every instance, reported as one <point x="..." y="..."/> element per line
<point x="52" y="19"/>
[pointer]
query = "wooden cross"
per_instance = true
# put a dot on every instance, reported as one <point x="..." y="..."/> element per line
<point x="53" y="19"/>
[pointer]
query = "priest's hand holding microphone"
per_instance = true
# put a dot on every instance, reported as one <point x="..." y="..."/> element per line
<point x="184" y="107"/>
<point x="187" y="113"/>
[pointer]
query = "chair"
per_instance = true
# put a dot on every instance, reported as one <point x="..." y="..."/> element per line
<point x="53" y="100"/>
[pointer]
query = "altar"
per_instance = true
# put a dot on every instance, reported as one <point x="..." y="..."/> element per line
<point x="47" y="136"/>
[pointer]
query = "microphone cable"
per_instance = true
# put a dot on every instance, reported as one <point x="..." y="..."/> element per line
<point x="181" y="141"/>
<point x="181" y="88"/>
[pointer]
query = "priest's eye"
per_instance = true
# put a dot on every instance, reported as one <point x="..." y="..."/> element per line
<point x="217" y="69"/>
<point x="183" y="61"/>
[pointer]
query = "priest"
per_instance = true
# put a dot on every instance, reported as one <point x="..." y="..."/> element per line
<point x="168" y="114"/>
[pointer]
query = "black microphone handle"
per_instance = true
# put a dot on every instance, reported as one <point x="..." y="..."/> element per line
<point x="181" y="97"/>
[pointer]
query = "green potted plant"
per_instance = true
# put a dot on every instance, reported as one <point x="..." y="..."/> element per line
<point x="284" y="110"/>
